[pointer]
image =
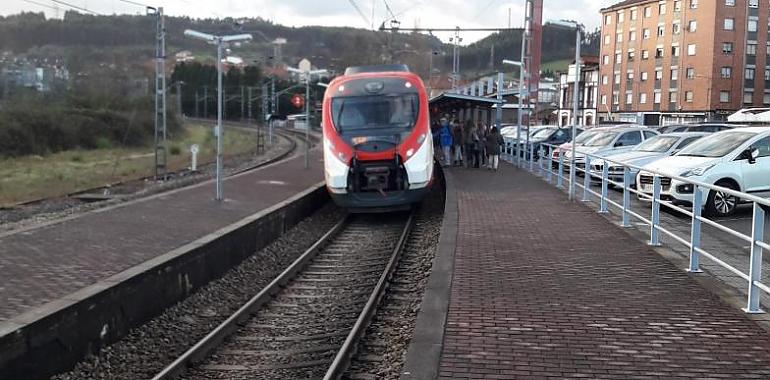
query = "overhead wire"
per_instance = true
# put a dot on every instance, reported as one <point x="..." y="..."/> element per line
<point x="75" y="7"/>
<point x="41" y="4"/>
<point x="134" y="3"/>
<point x="360" y="12"/>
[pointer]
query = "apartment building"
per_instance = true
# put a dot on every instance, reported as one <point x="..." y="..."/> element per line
<point x="669" y="61"/>
<point x="588" y="93"/>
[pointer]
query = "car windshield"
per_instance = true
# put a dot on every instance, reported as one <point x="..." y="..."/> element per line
<point x="602" y="139"/>
<point x="542" y="133"/>
<point x="716" y="145"/>
<point x="375" y="112"/>
<point x="585" y="136"/>
<point x="657" y="144"/>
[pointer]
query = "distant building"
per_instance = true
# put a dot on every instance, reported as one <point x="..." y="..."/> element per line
<point x="588" y="93"/>
<point x="670" y="61"/>
<point x="184" y="56"/>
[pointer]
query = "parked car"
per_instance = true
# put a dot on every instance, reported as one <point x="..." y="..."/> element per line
<point x="674" y="128"/>
<point x="553" y="135"/>
<point x="712" y="127"/>
<point x="579" y="141"/>
<point x="612" y="140"/>
<point x="737" y="159"/>
<point x="650" y="150"/>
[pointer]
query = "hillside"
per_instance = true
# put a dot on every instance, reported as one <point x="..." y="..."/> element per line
<point x="83" y="41"/>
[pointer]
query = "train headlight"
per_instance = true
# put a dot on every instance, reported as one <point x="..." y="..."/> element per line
<point x="421" y="139"/>
<point x="410" y="153"/>
<point x="341" y="156"/>
<point x="408" y="85"/>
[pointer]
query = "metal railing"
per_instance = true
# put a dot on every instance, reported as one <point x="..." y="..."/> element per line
<point x="548" y="168"/>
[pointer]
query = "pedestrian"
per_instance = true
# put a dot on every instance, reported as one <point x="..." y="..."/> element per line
<point x="482" y="128"/>
<point x="493" y="142"/>
<point x="445" y="139"/>
<point x="476" y="145"/>
<point x="457" y="135"/>
<point x="468" y="143"/>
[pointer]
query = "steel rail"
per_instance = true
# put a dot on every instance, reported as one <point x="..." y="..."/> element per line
<point x="342" y="359"/>
<point x="215" y="338"/>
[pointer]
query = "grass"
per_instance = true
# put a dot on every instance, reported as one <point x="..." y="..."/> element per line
<point x="33" y="177"/>
<point x="556" y="66"/>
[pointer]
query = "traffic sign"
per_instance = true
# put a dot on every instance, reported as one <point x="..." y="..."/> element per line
<point x="298" y="100"/>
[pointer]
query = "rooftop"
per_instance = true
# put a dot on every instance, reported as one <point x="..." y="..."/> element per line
<point x="626" y="4"/>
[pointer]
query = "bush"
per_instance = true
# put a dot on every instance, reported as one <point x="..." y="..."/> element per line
<point x="175" y="150"/>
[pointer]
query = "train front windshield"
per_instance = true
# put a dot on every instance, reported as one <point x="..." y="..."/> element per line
<point x="357" y="113"/>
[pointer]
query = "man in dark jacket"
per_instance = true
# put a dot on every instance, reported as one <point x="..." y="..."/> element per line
<point x="493" y="142"/>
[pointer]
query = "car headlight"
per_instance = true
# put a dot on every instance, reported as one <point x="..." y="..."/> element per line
<point x="697" y="172"/>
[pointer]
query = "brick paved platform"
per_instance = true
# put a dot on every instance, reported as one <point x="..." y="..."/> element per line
<point x="545" y="288"/>
<point x="42" y="264"/>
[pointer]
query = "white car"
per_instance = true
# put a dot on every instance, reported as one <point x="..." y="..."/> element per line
<point x="612" y="140"/>
<point x="650" y="150"/>
<point x="738" y="159"/>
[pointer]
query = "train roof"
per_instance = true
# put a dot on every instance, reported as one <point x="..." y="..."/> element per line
<point x="377" y="69"/>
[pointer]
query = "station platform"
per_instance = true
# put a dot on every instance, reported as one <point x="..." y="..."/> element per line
<point x="40" y="264"/>
<point x="542" y="287"/>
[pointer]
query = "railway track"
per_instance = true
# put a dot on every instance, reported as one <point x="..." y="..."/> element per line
<point x="308" y="321"/>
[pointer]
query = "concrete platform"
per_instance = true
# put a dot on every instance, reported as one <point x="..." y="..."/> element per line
<point x="546" y="288"/>
<point x="42" y="264"/>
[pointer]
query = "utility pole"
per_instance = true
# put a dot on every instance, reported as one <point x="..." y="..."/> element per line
<point x="250" y="105"/>
<point x="160" y="94"/>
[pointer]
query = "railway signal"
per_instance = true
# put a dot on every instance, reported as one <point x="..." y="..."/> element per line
<point x="298" y="101"/>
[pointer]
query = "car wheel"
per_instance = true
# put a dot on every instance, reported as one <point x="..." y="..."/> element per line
<point x="720" y="204"/>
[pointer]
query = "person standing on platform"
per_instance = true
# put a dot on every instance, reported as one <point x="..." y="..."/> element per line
<point x="457" y="134"/>
<point x="476" y="144"/>
<point x="445" y="139"/>
<point x="482" y="130"/>
<point x="493" y="142"/>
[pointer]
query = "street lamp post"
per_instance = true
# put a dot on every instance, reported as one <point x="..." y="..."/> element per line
<point x="307" y="73"/>
<point x="220" y="42"/>
<point x="575" y="101"/>
<point x="521" y="104"/>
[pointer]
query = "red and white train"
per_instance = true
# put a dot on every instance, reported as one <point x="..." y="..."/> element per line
<point x="378" y="150"/>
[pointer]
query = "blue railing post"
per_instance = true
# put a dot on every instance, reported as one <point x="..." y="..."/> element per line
<point x="549" y="166"/>
<point x="605" y="178"/>
<point x="587" y="180"/>
<point x="540" y="161"/>
<point x="755" y="268"/>
<point x="561" y="170"/>
<point x="697" y="206"/>
<point x="626" y="197"/>
<point x="654" y="239"/>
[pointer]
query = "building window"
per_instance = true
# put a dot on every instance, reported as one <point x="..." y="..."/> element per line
<point x="674" y="73"/>
<point x="618" y="58"/>
<point x="766" y="99"/>
<point x="647" y="12"/>
<point x="606" y="59"/>
<point x="752" y="25"/>
<point x="645" y="55"/>
<point x="727" y="72"/>
<point x="605" y="80"/>
<point x="617" y="78"/>
<point x="692" y="26"/>
<point x="693" y="4"/>
<point x="632" y="35"/>
<point x="724" y="96"/>
<point x="750" y="73"/>
<point x="730" y="3"/>
<point x="658" y="74"/>
<point x="615" y="98"/>
<point x="767" y="74"/>
<point x="619" y="37"/>
<point x="645" y="34"/>
<point x="621" y="16"/>
<point x="662" y="8"/>
<point x="691" y="49"/>
<point x="727" y="47"/>
<point x="753" y="3"/>
<point x="633" y="15"/>
<point x="607" y="19"/>
<point x="604" y="99"/>
<point x="688" y="96"/>
<point x="751" y="48"/>
<point x="659" y="53"/>
<point x="675" y="51"/>
<point x="729" y="24"/>
<point x="748" y="97"/>
<point x="675" y="28"/>
<point x="643" y="98"/>
<point x="690" y="73"/>
<point x="629" y="97"/>
<point x="631" y="56"/>
<point x="643" y="76"/>
<point x="607" y="39"/>
<point x="672" y="96"/>
<point x="677" y="6"/>
<point x="656" y="97"/>
<point x="661" y="30"/>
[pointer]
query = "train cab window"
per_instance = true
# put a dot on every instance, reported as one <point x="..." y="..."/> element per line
<point x="387" y="111"/>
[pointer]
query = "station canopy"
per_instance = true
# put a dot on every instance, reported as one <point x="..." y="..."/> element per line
<point x="452" y="101"/>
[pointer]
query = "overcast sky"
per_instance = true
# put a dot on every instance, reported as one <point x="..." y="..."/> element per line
<point x="422" y="13"/>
